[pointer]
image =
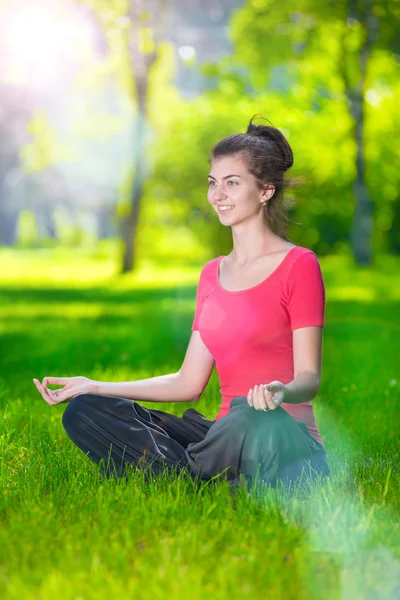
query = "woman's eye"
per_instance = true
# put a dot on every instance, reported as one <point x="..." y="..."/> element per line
<point x="229" y="181"/>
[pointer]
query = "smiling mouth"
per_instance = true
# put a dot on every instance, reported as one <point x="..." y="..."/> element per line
<point x="222" y="210"/>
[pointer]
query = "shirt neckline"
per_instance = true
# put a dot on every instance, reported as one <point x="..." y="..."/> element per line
<point x="258" y="284"/>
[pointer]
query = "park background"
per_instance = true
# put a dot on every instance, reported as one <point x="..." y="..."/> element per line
<point x="108" y="112"/>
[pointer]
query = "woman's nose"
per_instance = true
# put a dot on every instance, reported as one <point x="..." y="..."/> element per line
<point x="219" y="192"/>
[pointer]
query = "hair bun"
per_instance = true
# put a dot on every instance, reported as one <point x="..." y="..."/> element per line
<point x="271" y="134"/>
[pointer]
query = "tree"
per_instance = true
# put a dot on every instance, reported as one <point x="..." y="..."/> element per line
<point x="316" y="37"/>
<point x="135" y="29"/>
<point x="354" y="77"/>
<point x="147" y="20"/>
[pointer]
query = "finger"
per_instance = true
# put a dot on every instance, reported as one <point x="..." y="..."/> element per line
<point x="264" y="395"/>
<point x="63" y="395"/>
<point x="255" y="397"/>
<point x="269" y="402"/>
<point x="39" y="388"/>
<point x="44" y="393"/>
<point x="275" y="394"/>
<point x="278" y="398"/>
<point x="259" y="401"/>
<point x="250" y="397"/>
<point x="55" y="381"/>
<point x="50" y="395"/>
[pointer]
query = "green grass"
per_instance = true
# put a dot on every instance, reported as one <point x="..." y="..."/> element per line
<point x="66" y="533"/>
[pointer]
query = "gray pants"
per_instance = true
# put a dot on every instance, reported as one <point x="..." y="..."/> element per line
<point x="246" y="444"/>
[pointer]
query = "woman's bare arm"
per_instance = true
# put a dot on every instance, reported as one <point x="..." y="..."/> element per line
<point x="164" y="388"/>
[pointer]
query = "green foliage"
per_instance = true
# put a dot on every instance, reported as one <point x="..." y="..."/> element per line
<point x="181" y="166"/>
<point x="289" y="65"/>
<point x="290" y="70"/>
<point x="44" y="149"/>
<point x="318" y="47"/>
<point x="27" y="235"/>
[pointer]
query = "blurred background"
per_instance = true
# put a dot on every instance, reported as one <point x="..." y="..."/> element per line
<point x="109" y="109"/>
<point x="108" y="112"/>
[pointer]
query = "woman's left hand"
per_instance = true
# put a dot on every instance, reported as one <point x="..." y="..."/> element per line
<point x="267" y="396"/>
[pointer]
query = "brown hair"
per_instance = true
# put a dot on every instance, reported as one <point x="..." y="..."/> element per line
<point x="268" y="155"/>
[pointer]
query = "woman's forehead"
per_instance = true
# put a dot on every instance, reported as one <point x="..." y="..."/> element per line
<point x="230" y="164"/>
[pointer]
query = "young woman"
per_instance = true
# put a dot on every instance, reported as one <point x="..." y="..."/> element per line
<point x="259" y="318"/>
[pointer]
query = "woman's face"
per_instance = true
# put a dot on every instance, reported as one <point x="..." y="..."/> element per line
<point x="231" y="184"/>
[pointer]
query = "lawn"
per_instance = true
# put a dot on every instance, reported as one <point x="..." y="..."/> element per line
<point x="68" y="534"/>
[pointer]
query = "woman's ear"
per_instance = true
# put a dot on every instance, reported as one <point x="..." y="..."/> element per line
<point x="268" y="191"/>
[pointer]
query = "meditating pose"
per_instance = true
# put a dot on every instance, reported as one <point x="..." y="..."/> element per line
<point x="259" y="319"/>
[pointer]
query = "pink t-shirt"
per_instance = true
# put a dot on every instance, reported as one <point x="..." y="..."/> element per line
<point x="249" y="332"/>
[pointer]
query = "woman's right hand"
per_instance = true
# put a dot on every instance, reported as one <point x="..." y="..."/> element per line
<point x="71" y="386"/>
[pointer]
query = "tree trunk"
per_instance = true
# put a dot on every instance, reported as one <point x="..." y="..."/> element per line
<point x="362" y="225"/>
<point x="361" y="232"/>
<point x="140" y="11"/>
<point x="129" y="224"/>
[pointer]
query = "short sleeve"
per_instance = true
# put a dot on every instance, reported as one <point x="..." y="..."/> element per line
<point x="306" y="293"/>
<point x="199" y="302"/>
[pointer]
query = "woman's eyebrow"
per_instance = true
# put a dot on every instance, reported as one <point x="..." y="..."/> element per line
<point x="227" y="176"/>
